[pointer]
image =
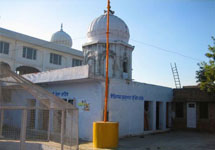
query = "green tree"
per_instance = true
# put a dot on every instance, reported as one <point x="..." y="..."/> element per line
<point x="206" y="73"/>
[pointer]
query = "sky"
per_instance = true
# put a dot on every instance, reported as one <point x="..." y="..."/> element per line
<point x="162" y="31"/>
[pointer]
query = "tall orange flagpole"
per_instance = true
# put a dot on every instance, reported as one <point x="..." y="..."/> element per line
<point x="107" y="62"/>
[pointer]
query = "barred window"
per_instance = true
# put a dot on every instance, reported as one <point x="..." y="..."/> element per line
<point x="55" y="59"/>
<point x="29" y="53"/>
<point x="76" y="62"/>
<point x="4" y="47"/>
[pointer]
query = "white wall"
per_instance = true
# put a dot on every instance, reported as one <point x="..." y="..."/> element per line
<point x="91" y="93"/>
<point x="123" y="107"/>
<point x="126" y="103"/>
<point x="128" y="110"/>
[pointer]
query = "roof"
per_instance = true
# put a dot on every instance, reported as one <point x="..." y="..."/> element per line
<point x="39" y="42"/>
<point x="118" y="29"/>
<point x="59" y="75"/>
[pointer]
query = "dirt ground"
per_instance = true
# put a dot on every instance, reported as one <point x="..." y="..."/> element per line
<point x="175" y="140"/>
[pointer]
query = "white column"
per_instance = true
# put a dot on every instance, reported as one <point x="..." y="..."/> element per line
<point x="44" y="60"/>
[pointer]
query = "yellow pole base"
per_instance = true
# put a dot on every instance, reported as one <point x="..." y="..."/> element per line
<point x="105" y="134"/>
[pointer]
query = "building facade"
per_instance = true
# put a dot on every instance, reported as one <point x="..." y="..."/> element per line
<point x="194" y="109"/>
<point x="139" y="108"/>
<point x="26" y="54"/>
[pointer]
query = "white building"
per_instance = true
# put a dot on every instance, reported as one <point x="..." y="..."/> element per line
<point x="138" y="107"/>
<point x="26" y="54"/>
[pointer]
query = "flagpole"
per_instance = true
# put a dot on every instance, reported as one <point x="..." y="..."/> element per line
<point x="106" y="134"/>
<point x="107" y="62"/>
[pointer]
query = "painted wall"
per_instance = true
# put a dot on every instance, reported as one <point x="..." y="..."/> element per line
<point x="126" y="105"/>
<point x="90" y="93"/>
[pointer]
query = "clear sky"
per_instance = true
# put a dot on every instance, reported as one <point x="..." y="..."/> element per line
<point x="181" y="26"/>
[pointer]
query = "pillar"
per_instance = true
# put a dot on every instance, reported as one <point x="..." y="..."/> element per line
<point x="152" y="108"/>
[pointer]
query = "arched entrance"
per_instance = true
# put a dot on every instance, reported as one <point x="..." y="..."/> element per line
<point x="26" y="70"/>
<point x="5" y="64"/>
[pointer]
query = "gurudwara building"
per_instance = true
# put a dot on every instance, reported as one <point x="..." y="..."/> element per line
<point x="139" y="108"/>
<point x="26" y="54"/>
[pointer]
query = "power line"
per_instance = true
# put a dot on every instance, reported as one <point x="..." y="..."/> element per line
<point x="166" y="50"/>
<point x="150" y="45"/>
<point x="158" y="48"/>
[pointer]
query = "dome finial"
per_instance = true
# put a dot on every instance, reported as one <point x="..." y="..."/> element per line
<point x="61" y="27"/>
<point x="111" y="11"/>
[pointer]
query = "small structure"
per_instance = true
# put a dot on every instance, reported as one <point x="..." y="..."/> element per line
<point x="30" y="113"/>
<point x="194" y="109"/>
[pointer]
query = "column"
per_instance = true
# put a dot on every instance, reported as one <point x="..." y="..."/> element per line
<point x="152" y="107"/>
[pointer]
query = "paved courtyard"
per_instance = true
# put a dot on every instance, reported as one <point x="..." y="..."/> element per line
<point x="176" y="140"/>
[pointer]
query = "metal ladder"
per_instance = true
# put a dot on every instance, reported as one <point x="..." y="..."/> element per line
<point x="176" y="76"/>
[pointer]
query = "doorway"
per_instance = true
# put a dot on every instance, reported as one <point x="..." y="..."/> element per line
<point x="191" y="115"/>
<point x="148" y="115"/>
<point x="157" y="115"/>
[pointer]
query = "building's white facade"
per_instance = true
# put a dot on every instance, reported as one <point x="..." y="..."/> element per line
<point x="28" y="54"/>
<point x="138" y="107"/>
<point x="126" y="101"/>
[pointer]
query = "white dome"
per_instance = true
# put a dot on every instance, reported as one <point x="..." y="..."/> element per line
<point x="118" y="29"/>
<point x="62" y="38"/>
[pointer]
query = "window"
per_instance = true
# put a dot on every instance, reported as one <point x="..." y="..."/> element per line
<point x="29" y="53"/>
<point x="71" y="101"/>
<point x="55" y="59"/>
<point x="203" y="110"/>
<point x="4" y="47"/>
<point x="76" y="62"/>
<point x="125" y="67"/>
<point x="179" y="108"/>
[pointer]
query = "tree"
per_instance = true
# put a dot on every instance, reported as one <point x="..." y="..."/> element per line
<point x="206" y="73"/>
